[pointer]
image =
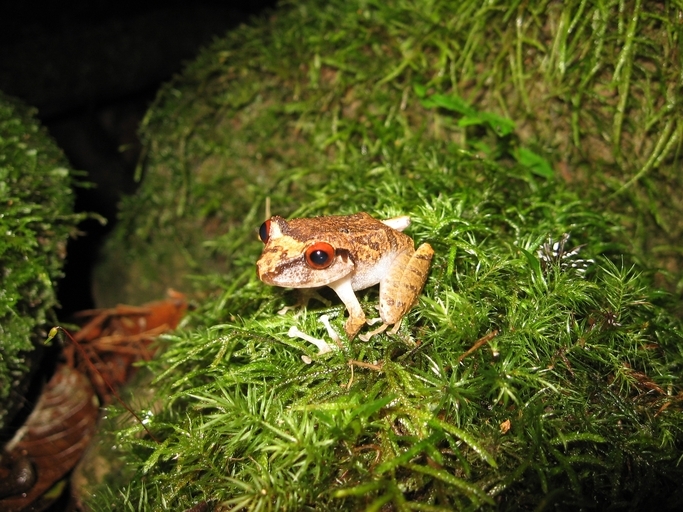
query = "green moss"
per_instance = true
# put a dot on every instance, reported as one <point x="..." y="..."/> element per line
<point x="36" y="218"/>
<point x="585" y="368"/>
<point x="592" y="88"/>
<point x="405" y="108"/>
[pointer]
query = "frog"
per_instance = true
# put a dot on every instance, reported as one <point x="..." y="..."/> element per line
<point x="348" y="253"/>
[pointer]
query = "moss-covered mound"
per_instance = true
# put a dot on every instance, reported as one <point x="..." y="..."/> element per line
<point x="570" y="398"/>
<point x="36" y="218"/>
<point x="531" y="374"/>
<point x="594" y="87"/>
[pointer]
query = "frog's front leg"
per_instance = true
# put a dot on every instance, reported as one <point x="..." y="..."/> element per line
<point x="356" y="318"/>
<point x="401" y="287"/>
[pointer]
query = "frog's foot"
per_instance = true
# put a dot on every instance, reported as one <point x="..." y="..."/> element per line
<point x="305" y="295"/>
<point x="378" y="330"/>
<point x="353" y="325"/>
<point x="368" y="335"/>
<point x="287" y="309"/>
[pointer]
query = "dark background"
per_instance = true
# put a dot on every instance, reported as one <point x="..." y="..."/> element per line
<point x="92" y="68"/>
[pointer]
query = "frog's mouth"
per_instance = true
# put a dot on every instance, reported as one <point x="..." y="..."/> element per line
<point x="291" y="274"/>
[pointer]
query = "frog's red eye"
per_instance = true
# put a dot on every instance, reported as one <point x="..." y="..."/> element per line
<point x="264" y="231"/>
<point x="320" y="255"/>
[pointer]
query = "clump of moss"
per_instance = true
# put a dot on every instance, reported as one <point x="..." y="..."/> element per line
<point x="572" y="396"/>
<point x="531" y="373"/>
<point x="35" y="221"/>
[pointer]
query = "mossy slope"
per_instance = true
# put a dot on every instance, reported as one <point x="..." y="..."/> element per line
<point x="586" y="369"/>
<point x="593" y="87"/>
<point x="573" y="397"/>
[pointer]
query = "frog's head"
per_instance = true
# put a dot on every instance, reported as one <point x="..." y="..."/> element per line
<point x="297" y="257"/>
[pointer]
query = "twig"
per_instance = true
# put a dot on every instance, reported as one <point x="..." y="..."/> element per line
<point x="361" y="364"/>
<point x="369" y="366"/>
<point x="481" y="341"/>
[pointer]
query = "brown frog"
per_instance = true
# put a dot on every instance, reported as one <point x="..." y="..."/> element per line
<point x="347" y="253"/>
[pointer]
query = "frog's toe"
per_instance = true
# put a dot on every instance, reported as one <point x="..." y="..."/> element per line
<point x="368" y="335"/>
<point x="352" y="326"/>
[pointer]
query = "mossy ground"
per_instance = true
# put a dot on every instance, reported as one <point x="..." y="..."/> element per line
<point x="36" y="218"/>
<point x="586" y="369"/>
<point x="497" y="129"/>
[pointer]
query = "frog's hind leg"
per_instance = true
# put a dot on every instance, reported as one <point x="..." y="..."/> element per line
<point x="399" y="291"/>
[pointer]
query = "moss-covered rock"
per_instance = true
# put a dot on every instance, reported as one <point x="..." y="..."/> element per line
<point x="519" y="381"/>
<point x="592" y="86"/>
<point x="36" y="218"/>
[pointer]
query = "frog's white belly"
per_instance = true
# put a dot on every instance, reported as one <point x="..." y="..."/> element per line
<point x="365" y="276"/>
